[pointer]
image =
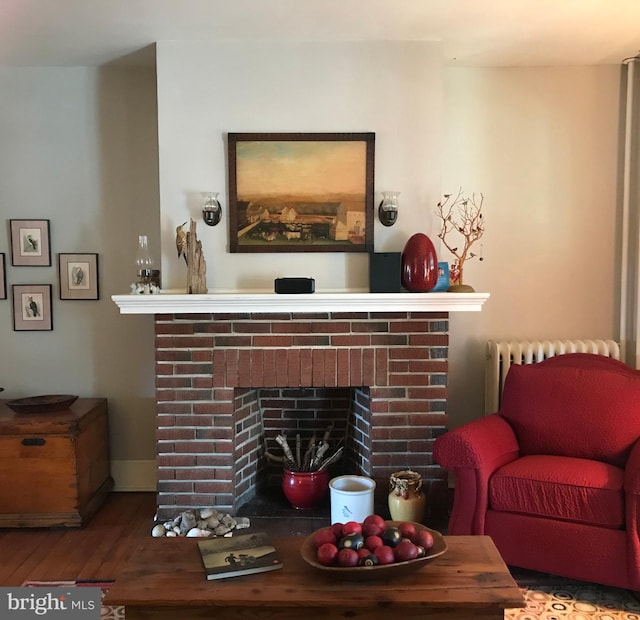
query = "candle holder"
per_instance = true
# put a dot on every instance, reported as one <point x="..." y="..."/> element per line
<point x="388" y="209"/>
<point x="212" y="210"/>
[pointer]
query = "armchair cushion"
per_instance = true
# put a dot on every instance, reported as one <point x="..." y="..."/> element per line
<point x="599" y="403"/>
<point x="558" y="487"/>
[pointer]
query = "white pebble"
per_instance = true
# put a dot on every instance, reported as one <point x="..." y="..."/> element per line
<point x="196" y="532"/>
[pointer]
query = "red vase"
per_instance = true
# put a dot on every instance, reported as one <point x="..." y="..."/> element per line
<point x="305" y="489"/>
<point x="419" y="264"/>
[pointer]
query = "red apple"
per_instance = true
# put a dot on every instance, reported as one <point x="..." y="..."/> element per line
<point x="405" y="550"/>
<point x="373" y="525"/>
<point x="324" y="535"/>
<point x="363" y="552"/>
<point x="424" y="538"/>
<point x="337" y="530"/>
<point x="351" y="527"/>
<point x="348" y="558"/>
<point x="327" y="554"/>
<point x="407" y="529"/>
<point x="371" y="542"/>
<point x="384" y="553"/>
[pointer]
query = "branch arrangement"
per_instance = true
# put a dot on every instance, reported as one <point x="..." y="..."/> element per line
<point x="316" y="457"/>
<point x="463" y="215"/>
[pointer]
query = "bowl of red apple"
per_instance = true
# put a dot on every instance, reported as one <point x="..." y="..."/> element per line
<point x="373" y="548"/>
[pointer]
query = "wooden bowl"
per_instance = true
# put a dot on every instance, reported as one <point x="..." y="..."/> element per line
<point x="42" y="404"/>
<point x="386" y="571"/>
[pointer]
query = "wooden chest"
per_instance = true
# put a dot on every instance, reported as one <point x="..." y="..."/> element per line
<point x="54" y="467"/>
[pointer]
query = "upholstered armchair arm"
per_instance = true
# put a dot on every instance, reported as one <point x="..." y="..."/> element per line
<point x="632" y="509"/>
<point x="473" y="452"/>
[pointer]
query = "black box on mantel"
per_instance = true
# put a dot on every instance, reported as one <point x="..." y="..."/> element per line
<point x="385" y="270"/>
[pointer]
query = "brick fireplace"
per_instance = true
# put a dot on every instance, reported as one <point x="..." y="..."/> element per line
<point x="233" y="368"/>
<point x="226" y="380"/>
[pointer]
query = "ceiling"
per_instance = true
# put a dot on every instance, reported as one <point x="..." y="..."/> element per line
<point x="473" y="32"/>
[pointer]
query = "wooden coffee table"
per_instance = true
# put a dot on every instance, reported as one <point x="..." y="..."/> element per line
<point x="165" y="580"/>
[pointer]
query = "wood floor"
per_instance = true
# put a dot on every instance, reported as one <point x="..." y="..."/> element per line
<point x="96" y="551"/>
<point x="99" y="550"/>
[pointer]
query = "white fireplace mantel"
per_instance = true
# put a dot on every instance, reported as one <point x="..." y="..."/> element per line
<point x="260" y="302"/>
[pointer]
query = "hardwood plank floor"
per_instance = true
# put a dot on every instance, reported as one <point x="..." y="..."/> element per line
<point x="99" y="550"/>
<point x="96" y="551"/>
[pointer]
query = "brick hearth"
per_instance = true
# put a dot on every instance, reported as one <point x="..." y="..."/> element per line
<point x="384" y="374"/>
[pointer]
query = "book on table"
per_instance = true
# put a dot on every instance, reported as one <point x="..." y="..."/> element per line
<point x="238" y="555"/>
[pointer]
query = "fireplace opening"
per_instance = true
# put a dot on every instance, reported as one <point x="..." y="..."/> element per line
<point x="301" y="415"/>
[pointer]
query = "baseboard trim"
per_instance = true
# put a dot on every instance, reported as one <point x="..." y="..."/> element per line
<point x="134" y="475"/>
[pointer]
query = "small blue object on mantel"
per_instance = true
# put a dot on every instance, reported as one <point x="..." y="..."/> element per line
<point x="442" y="285"/>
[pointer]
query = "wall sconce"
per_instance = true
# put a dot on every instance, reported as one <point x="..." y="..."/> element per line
<point x="211" y="211"/>
<point x="388" y="209"/>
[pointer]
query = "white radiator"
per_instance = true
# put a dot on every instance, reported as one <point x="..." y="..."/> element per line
<point x="501" y="354"/>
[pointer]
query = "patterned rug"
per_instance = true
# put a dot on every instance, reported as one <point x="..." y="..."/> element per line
<point x="573" y="601"/>
<point x="576" y="601"/>
<point x="107" y="612"/>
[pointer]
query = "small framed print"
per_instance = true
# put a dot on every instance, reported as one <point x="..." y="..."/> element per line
<point x="30" y="243"/>
<point x="78" y="275"/>
<point x="32" y="307"/>
<point x="3" y="277"/>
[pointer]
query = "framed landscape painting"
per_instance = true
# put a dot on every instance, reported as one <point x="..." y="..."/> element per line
<point x="32" y="307"/>
<point x="78" y="275"/>
<point x="30" y="245"/>
<point x="301" y="192"/>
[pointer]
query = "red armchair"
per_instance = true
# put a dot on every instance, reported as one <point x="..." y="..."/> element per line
<point x="554" y="476"/>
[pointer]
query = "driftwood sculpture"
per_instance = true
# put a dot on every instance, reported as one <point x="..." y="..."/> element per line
<point x="189" y="246"/>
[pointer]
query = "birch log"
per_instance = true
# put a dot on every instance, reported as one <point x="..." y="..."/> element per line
<point x="196" y="264"/>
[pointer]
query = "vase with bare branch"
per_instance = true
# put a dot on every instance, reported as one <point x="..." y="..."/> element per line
<point x="305" y="478"/>
<point x="461" y="215"/>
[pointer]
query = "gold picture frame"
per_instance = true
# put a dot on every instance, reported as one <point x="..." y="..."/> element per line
<point x="301" y="192"/>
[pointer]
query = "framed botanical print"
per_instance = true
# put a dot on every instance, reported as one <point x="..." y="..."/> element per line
<point x="301" y="192"/>
<point x="30" y="243"/>
<point x="32" y="307"/>
<point x="3" y="277"/>
<point x="78" y="276"/>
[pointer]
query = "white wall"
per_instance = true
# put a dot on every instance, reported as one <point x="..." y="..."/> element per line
<point x="79" y="148"/>
<point x="208" y="89"/>
<point x="541" y="144"/>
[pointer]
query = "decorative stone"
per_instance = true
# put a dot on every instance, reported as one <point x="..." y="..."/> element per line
<point x="242" y="523"/>
<point x="188" y="521"/>
<point x="205" y="513"/>
<point x="212" y="522"/>
<point x="221" y="530"/>
<point x="192" y="523"/>
<point x="196" y="532"/>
